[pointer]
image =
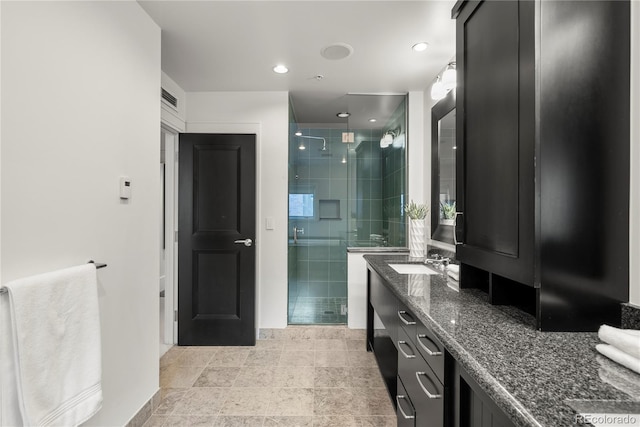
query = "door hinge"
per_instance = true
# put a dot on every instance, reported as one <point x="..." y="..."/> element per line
<point x="175" y="236"/>
<point x="175" y="315"/>
<point x="177" y="154"/>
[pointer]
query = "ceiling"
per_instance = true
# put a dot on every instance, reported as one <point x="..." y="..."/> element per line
<point x="233" y="46"/>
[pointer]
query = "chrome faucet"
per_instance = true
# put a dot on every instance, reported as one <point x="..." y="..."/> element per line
<point x="297" y="230"/>
<point x="437" y="259"/>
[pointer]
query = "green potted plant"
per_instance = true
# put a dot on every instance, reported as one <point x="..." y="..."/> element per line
<point x="448" y="213"/>
<point x="417" y="214"/>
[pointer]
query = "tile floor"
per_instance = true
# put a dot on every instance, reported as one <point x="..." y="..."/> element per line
<point x="299" y="376"/>
<point x="317" y="310"/>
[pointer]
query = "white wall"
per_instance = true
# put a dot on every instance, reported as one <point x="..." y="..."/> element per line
<point x="80" y="108"/>
<point x="416" y="148"/>
<point x="634" y="229"/>
<point x="267" y="115"/>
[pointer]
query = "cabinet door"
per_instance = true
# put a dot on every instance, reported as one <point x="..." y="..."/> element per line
<point x="405" y="410"/>
<point x="495" y="131"/>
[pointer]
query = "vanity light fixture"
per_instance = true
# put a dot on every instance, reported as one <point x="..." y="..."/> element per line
<point x="437" y="90"/>
<point x="298" y="133"/>
<point x="280" y="69"/>
<point x="301" y="146"/>
<point x="343" y="114"/>
<point x="344" y="159"/>
<point x="420" y="47"/>
<point x="443" y="85"/>
<point x="449" y="76"/>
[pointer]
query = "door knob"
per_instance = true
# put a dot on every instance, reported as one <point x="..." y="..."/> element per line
<point x="246" y="242"/>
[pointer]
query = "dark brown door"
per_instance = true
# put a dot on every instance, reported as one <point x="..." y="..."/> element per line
<point x="216" y="258"/>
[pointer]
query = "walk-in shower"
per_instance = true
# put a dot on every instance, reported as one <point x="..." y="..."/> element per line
<point x="346" y="189"/>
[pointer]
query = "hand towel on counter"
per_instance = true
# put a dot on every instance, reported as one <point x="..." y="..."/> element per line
<point x="618" y="377"/>
<point x="54" y="330"/>
<point x="627" y="340"/>
<point x="619" y="356"/>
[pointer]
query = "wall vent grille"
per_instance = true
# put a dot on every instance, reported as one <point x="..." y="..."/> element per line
<point x="170" y="99"/>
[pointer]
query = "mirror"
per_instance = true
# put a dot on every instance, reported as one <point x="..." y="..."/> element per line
<point x="443" y="169"/>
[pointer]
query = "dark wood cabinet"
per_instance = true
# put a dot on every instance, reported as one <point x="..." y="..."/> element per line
<point x="473" y="407"/>
<point x="543" y="155"/>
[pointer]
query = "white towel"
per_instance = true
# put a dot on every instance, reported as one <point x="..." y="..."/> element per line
<point x="54" y="332"/>
<point x="619" y="356"/>
<point x="626" y="340"/>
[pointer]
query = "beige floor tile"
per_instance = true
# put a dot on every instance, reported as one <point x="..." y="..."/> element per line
<point x="190" y="421"/>
<point x="356" y="345"/>
<point x="355" y="334"/>
<point x="332" y="377"/>
<point x="170" y="397"/>
<point x="201" y="401"/>
<point x="171" y="356"/>
<point x="293" y="376"/>
<point x="299" y="333"/>
<point x="330" y="345"/>
<point x="335" y="421"/>
<point x="372" y="401"/>
<point x="239" y="421"/>
<point x="331" y="359"/>
<point x="359" y="359"/>
<point x="297" y="358"/>
<point x="288" y="421"/>
<point x="291" y="401"/>
<point x="263" y="358"/>
<point x="155" y="421"/>
<point x="230" y="356"/>
<point x="333" y="401"/>
<point x="299" y="345"/>
<point x="217" y="377"/>
<point x="330" y="332"/>
<point x="365" y="377"/>
<point x="269" y="344"/>
<point x="272" y="334"/>
<point x="193" y="357"/>
<point x="255" y="376"/>
<point x="174" y="376"/>
<point x="246" y="401"/>
<point x="377" y="421"/>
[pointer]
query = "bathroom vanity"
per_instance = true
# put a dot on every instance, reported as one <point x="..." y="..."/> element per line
<point x="450" y="358"/>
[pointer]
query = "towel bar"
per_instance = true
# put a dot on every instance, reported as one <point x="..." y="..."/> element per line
<point x="98" y="265"/>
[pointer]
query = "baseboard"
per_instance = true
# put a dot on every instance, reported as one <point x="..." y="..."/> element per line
<point x="146" y="411"/>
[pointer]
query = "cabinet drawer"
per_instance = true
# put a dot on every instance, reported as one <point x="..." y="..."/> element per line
<point x="423" y="387"/>
<point x="431" y="350"/>
<point x="407" y="321"/>
<point x="405" y="411"/>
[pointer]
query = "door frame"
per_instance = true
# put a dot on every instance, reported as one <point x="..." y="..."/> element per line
<point x="170" y="332"/>
<point x="250" y="128"/>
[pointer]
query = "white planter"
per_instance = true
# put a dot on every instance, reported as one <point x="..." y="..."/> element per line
<point x="448" y="221"/>
<point x="416" y="238"/>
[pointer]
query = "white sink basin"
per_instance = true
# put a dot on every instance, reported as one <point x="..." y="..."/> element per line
<point x="412" y="269"/>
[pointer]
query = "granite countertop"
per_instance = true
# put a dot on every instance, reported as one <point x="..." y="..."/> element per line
<point x="536" y="378"/>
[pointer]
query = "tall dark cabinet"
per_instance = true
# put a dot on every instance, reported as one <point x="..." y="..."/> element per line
<point x="543" y="154"/>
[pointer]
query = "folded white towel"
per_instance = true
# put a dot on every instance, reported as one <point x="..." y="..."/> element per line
<point x="627" y="340"/>
<point x="54" y="332"/>
<point x="619" y="356"/>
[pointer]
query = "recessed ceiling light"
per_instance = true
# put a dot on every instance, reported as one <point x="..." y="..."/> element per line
<point x="280" y="69"/>
<point x="343" y="114"/>
<point x="373" y="120"/>
<point x="419" y="47"/>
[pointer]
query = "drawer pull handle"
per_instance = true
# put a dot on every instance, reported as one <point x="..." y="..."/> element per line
<point x="407" y="356"/>
<point x="405" y="321"/>
<point x="429" y="395"/>
<point x="425" y="348"/>
<point x="404" y="414"/>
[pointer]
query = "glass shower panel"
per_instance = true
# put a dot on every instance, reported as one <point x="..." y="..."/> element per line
<point x="318" y="175"/>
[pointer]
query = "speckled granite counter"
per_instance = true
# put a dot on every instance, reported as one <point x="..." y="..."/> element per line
<point x="536" y="378"/>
